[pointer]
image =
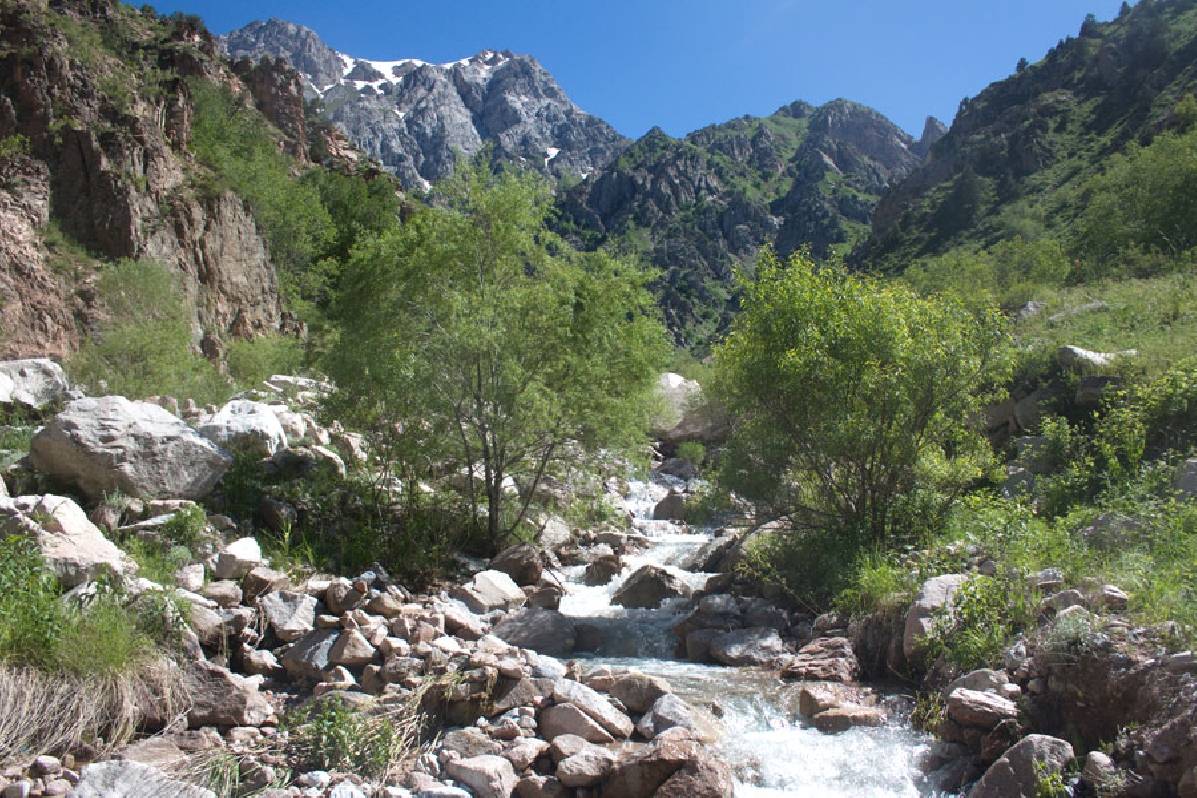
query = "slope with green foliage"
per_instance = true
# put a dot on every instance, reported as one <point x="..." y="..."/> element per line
<point x="699" y="206"/>
<point x="1058" y="148"/>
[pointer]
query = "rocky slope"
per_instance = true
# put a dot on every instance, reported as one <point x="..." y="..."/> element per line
<point x="413" y="116"/>
<point x="698" y="206"/>
<point x="95" y="122"/>
<point x="1018" y="146"/>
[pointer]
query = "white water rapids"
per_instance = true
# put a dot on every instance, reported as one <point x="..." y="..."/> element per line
<point x="771" y="750"/>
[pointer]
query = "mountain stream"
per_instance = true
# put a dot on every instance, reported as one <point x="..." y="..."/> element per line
<point x="771" y="750"/>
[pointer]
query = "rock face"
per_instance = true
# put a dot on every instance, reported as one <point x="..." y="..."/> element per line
<point x="648" y="587"/>
<point x="73" y="548"/>
<point x="111" y="166"/>
<point x="414" y="117"/>
<point x="110" y="444"/>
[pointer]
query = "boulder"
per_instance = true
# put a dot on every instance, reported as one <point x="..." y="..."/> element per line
<point x="486" y="776"/>
<point x="470" y="742"/>
<point x="671" y="508"/>
<point x="585" y="768"/>
<point x="352" y="648"/>
<point x="237" y="559"/>
<point x="637" y="691"/>
<point x="935" y="594"/>
<point x="984" y="681"/>
<point x="537" y="786"/>
<point x="827" y="659"/>
<point x="670" y="712"/>
<point x="567" y="691"/>
<point x="72" y="546"/>
<point x="35" y="382"/>
<point x="309" y="657"/>
<point x="109" y="444"/>
<point x="715" y="556"/>
<point x="544" y="631"/>
<point x="222" y="698"/>
<point x="117" y="778"/>
<point x="1081" y="360"/>
<point x="704" y="777"/>
<point x="289" y="615"/>
<point x="490" y="590"/>
<point x="561" y="719"/>
<point x="974" y="709"/>
<point x="640" y="775"/>
<point x="821" y="696"/>
<point x="521" y="562"/>
<point x="685" y="415"/>
<point x="261" y="580"/>
<point x="748" y="647"/>
<point x="648" y="587"/>
<point x="1018" y="772"/>
<point x="245" y="426"/>
<point x="840" y="719"/>
<point x="512" y="693"/>
<point x="226" y="593"/>
<point x="602" y="571"/>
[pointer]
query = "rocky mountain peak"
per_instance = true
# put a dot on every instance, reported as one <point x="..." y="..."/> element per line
<point x="933" y="131"/>
<point x="414" y="116"/>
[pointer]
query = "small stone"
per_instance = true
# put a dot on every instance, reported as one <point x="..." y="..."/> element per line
<point x="840" y="719"/>
<point x="225" y="593"/>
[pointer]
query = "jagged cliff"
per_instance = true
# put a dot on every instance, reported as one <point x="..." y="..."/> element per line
<point x="695" y="207"/>
<point x="415" y="117"/>
<point x="95" y="121"/>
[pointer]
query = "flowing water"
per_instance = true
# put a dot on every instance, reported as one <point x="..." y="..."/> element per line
<point x="771" y="750"/>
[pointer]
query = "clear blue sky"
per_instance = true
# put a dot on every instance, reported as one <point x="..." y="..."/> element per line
<point x="683" y="64"/>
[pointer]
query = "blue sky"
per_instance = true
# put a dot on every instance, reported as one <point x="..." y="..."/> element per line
<point x="683" y="64"/>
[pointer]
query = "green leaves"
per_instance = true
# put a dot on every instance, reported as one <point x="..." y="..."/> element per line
<point x="851" y="393"/>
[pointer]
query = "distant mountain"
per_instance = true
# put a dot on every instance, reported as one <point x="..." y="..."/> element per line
<point x="696" y="207"/>
<point x="1018" y="153"/>
<point x="414" y="117"/>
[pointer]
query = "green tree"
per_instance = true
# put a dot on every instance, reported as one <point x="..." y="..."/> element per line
<point x="853" y="398"/>
<point x="492" y="344"/>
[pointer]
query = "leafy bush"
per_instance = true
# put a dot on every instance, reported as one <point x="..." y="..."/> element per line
<point x="254" y="360"/>
<point x="692" y="452"/>
<point x="146" y="347"/>
<point x="986" y="615"/>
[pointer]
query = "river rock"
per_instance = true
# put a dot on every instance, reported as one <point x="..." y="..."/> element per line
<point x="524" y="753"/>
<point x="819" y="697"/>
<point x="544" y="631"/>
<point x="521" y="562"/>
<point x="309" y="657"/>
<point x="840" y="719"/>
<point x="671" y="508"/>
<point x="109" y="444"/>
<point x="470" y="742"/>
<point x="827" y="659"/>
<point x="648" y="587"/>
<point x="935" y="594"/>
<point x="602" y="571"/>
<point x="747" y="647"/>
<point x="637" y="691"/>
<point x="117" y="778"/>
<point x="594" y="705"/>
<point x="984" y="681"/>
<point x="352" y="648"/>
<point x="486" y="776"/>
<point x="715" y="556"/>
<point x="640" y="775"/>
<point x="670" y="712"/>
<point x="35" y="382"/>
<point x="490" y="590"/>
<point x="72" y="547"/>
<point x="537" y="786"/>
<point x="585" y="768"/>
<point x="699" y="778"/>
<point x="245" y="426"/>
<point x="975" y="709"/>
<point x="568" y="719"/>
<point x="512" y="693"/>
<point x="222" y="698"/>
<point x="1018" y="772"/>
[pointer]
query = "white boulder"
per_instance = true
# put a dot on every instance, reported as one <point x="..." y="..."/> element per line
<point x="245" y="426"/>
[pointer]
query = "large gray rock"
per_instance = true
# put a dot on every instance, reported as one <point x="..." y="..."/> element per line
<point x="637" y="691"/>
<point x="123" y="779"/>
<point x="935" y="594"/>
<point x="222" y="698"/>
<point x="568" y="719"/>
<point x="648" y="587"/>
<point x="36" y="382"/>
<point x="685" y="414"/>
<point x="109" y="444"/>
<point x="641" y="774"/>
<point x="521" y="562"/>
<point x="72" y="546"/>
<point x="490" y="590"/>
<point x="704" y="777"/>
<point x="671" y="712"/>
<point x="237" y="559"/>
<point x="543" y="631"/>
<point x="826" y="659"/>
<point x="585" y="768"/>
<point x="309" y="657"/>
<point x="1018" y="772"/>
<point x="747" y="647"/>
<point x="975" y="709"/>
<point x="245" y="426"/>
